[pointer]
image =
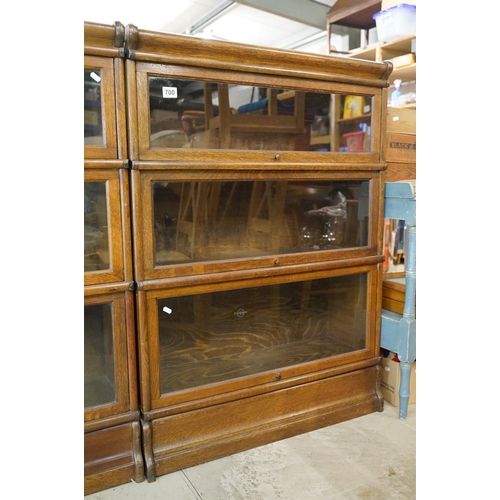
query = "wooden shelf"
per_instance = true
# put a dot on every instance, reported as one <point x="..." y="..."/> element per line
<point x="405" y="73"/>
<point x="355" y="119"/>
<point x="367" y="54"/>
<point x="385" y="51"/>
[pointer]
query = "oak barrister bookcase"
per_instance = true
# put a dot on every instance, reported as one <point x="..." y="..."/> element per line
<point x="231" y="255"/>
<point x="113" y="436"/>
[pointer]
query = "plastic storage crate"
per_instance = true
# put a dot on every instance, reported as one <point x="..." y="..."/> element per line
<point x="397" y="22"/>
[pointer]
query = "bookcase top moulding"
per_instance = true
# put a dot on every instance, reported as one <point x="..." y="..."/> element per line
<point x="169" y="48"/>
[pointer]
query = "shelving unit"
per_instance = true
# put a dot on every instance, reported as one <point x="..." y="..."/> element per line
<point x="386" y="51"/>
<point x="357" y="128"/>
<point x="401" y="123"/>
<point x="351" y="14"/>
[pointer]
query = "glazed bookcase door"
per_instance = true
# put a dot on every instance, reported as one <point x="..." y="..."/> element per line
<point x="186" y="110"/>
<point x="103" y="227"/>
<point x="217" y="338"/>
<point x="106" y="357"/>
<point x="234" y="222"/>
<point x="100" y="131"/>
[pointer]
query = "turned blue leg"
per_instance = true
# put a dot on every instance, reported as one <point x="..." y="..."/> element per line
<point x="404" y="388"/>
<point x="408" y="324"/>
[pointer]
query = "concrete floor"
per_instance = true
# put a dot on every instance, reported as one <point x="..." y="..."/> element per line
<point x="371" y="457"/>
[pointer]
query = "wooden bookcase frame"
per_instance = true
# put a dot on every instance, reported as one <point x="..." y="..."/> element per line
<point x="191" y="426"/>
<point x="112" y="432"/>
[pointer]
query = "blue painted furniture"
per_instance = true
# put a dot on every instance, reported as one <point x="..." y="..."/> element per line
<point x="398" y="331"/>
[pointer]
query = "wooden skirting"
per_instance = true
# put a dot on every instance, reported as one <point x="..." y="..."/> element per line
<point x="194" y="437"/>
<point x="112" y="457"/>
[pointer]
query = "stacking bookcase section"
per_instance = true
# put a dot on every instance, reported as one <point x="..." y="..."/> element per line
<point x="256" y="209"/>
<point x="112" y="441"/>
<point x="106" y="225"/>
<point x="192" y="104"/>
<point x="201" y="222"/>
<point x="234" y="364"/>
<point x="112" y="430"/>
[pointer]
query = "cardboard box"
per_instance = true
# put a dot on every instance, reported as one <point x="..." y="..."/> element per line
<point x="401" y="144"/>
<point x="401" y="121"/>
<point x="390" y="380"/>
<point x="402" y="61"/>
<point x="401" y="148"/>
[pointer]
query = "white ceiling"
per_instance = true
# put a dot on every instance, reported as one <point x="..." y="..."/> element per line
<point x="290" y="24"/>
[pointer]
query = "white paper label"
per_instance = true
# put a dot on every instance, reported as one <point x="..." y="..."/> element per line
<point x="167" y="310"/>
<point x="169" y="92"/>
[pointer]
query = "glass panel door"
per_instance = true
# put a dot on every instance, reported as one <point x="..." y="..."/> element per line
<point x="215" y="115"/>
<point x="103" y="240"/>
<point x="106" y="384"/>
<point x="96" y="224"/>
<point x="199" y="221"/>
<point x="222" y="335"/>
<point x="99" y="356"/>
<point x="99" y="122"/>
<point x="93" y="127"/>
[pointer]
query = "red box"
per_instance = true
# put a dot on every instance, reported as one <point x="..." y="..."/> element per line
<point x="354" y="141"/>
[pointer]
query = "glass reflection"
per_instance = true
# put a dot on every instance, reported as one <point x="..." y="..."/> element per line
<point x="196" y="114"/>
<point x="219" y="336"/>
<point x="201" y="221"/>
<point x="96" y="240"/>
<point x="353" y="127"/>
<point x="93" y="132"/>
<point x="98" y="355"/>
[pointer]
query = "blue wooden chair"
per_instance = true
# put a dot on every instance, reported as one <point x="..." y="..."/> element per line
<point x="398" y="331"/>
